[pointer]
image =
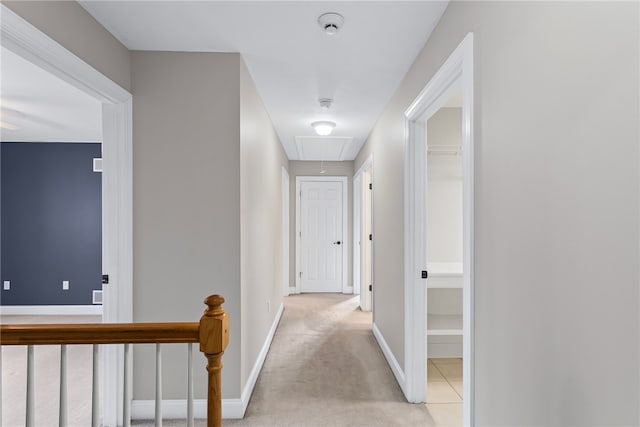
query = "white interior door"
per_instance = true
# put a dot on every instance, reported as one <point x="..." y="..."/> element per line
<point x="321" y="236"/>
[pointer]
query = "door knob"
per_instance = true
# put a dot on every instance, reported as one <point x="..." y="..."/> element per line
<point x="337" y="243"/>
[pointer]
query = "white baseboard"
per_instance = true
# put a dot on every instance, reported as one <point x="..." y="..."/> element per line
<point x="171" y="409"/>
<point x="257" y="366"/>
<point x="51" y="310"/>
<point x="348" y="290"/>
<point x="292" y="290"/>
<point x="231" y="408"/>
<point x="177" y="409"/>
<point x="391" y="359"/>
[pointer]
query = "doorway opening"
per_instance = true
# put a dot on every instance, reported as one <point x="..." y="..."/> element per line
<point x="439" y="255"/>
<point x="444" y="259"/>
<point x="321" y="231"/>
<point x="23" y="39"/>
<point x="363" y="235"/>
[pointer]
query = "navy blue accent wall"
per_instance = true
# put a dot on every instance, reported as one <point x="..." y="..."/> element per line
<point x="51" y="215"/>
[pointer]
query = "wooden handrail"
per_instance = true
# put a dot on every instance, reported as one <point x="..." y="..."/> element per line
<point x="212" y="332"/>
<point x="99" y="333"/>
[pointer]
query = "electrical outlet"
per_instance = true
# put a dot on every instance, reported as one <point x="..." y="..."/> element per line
<point x="65" y="285"/>
<point x="6" y="285"/>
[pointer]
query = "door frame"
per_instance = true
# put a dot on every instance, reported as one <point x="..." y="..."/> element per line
<point x="358" y="221"/>
<point x="343" y="180"/>
<point x="22" y="38"/>
<point x="455" y="73"/>
<point x="286" y="195"/>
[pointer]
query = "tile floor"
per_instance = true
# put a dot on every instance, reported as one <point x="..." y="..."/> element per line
<point x="444" y="391"/>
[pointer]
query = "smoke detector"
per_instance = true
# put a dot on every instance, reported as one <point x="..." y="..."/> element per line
<point x="325" y="103"/>
<point x="330" y="23"/>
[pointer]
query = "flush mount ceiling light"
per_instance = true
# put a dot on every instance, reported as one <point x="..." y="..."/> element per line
<point x="323" y="128"/>
<point x="330" y="23"/>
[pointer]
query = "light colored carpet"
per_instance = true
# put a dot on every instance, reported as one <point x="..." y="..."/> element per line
<point x="325" y="368"/>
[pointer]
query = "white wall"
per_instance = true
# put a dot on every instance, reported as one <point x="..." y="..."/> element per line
<point x="444" y="188"/>
<point x="312" y="168"/>
<point x="261" y="160"/>
<point x="557" y="208"/>
<point x="186" y="204"/>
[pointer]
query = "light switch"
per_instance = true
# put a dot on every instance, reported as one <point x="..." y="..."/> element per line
<point x="6" y="285"/>
<point x="65" y="285"/>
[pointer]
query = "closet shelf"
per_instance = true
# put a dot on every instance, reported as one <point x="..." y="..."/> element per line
<point x="444" y="275"/>
<point x="444" y="324"/>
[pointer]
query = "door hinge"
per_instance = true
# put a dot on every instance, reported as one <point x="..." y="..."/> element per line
<point x="370" y="236"/>
<point x="370" y="186"/>
<point x="105" y="279"/>
<point x="370" y="288"/>
<point x="425" y="274"/>
<point x="300" y="274"/>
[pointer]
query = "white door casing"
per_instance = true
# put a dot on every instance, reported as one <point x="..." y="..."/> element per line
<point x="24" y="39"/>
<point x="321" y="234"/>
<point x="367" y="242"/>
<point x="363" y="226"/>
<point x="285" y="231"/>
<point x="357" y="233"/>
<point x="455" y="73"/>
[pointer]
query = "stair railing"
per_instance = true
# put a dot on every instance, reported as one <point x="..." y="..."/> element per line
<point x="212" y="333"/>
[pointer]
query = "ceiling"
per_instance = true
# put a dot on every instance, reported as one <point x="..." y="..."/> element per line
<point x="36" y="106"/>
<point x="292" y="61"/>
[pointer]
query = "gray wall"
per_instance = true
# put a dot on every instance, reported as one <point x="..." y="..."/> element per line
<point x="261" y="160"/>
<point x="186" y="201"/>
<point x="74" y="28"/>
<point x="51" y="223"/>
<point x="312" y="168"/>
<point x="557" y="192"/>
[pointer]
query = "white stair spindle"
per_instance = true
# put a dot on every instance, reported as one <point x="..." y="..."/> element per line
<point x="0" y="385"/>
<point x="190" y="386"/>
<point x="30" y="421"/>
<point x="158" y="386"/>
<point x="127" y="389"/>
<point x="95" y="418"/>
<point x="62" y="419"/>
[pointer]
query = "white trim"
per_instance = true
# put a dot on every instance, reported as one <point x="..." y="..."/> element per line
<point x="286" y="195"/>
<point x="391" y="359"/>
<point x="231" y="408"/>
<point x="345" y="211"/>
<point x="171" y="409"/>
<point x="348" y="290"/>
<point x="24" y="39"/>
<point x="456" y="73"/>
<point x="357" y="232"/>
<point x="257" y="366"/>
<point x="177" y="409"/>
<point x="357" y="223"/>
<point x="367" y="164"/>
<point x="51" y="310"/>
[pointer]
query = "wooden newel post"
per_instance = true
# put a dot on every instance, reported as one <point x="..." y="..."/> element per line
<point x="214" y="337"/>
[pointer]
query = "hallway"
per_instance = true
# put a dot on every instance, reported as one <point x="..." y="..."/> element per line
<point x="324" y="368"/>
